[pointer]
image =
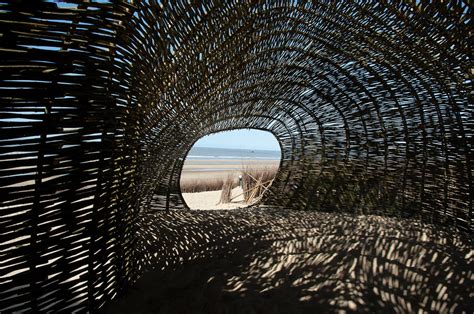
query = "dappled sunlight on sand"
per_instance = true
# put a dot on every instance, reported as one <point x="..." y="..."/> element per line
<point x="279" y="261"/>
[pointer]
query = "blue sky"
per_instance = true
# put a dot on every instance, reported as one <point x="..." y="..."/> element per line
<point x="240" y="139"/>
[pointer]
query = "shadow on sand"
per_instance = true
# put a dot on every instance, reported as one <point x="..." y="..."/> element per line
<point x="279" y="261"/>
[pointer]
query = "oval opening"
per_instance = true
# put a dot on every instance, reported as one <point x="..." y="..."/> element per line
<point x="229" y="169"/>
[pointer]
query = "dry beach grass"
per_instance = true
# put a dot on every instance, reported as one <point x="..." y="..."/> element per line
<point x="201" y="185"/>
<point x="255" y="181"/>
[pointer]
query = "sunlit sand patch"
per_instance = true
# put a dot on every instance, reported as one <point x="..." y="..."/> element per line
<point x="268" y="260"/>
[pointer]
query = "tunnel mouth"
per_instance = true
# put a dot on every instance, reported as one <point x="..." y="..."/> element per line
<point x="230" y="169"/>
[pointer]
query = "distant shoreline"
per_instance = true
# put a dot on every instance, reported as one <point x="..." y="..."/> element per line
<point x="234" y="149"/>
<point x="200" y="153"/>
<point x="232" y="157"/>
<point x="234" y="161"/>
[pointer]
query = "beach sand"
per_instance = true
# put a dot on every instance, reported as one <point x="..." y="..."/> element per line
<point x="211" y="169"/>
<point x="210" y="200"/>
<point x="289" y="261"/>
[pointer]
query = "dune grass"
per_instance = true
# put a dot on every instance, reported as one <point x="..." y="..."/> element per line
<point x="200" y="185"/>
<point x="227" y="186"/>
<point x="255" y="180"/>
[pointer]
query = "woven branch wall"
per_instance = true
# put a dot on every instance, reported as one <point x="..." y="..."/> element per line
<point x="100" y="101"/>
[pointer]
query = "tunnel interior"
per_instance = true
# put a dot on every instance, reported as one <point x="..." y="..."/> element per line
<point x="371" y="102"/>
<point x="348" y="108"/>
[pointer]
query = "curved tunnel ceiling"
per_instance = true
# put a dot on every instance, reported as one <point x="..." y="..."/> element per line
<point x="370" y="100"/>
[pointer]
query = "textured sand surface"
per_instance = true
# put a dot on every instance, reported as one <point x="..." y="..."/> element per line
<point x="280" y="261"/>
<point x="210" y="200"/>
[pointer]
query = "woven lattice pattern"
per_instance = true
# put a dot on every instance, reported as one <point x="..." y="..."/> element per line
<point x="100" y="101"/>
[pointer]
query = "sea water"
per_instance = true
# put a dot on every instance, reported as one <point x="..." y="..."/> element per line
<point x="197" y="153"/>
<point x="227" y="159"/>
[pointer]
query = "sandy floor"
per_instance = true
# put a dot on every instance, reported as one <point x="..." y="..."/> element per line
<point x="281" y="261"/>
<point x="210" y="200"/>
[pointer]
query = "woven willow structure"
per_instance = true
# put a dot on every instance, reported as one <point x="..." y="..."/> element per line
<point x="100" y="102"/>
